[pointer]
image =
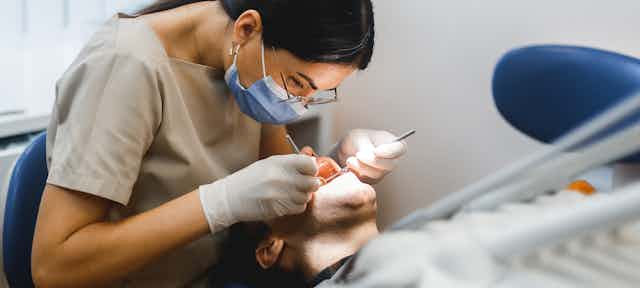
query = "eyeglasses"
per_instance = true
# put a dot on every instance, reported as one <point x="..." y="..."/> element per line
<point x="318" y="98"/>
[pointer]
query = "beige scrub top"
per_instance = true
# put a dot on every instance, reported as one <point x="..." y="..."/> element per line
<point x="137" y="127"/>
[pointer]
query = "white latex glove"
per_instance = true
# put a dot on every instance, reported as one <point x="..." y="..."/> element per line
<point x="270" y="188"/>
<point x="370" y="153"/>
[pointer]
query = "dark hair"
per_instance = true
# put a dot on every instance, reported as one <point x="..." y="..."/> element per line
<point x="238" y="265"/>
<point x="326" y="31"/>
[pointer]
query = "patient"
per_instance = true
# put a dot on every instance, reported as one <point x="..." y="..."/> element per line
<point x="301" y="250"/>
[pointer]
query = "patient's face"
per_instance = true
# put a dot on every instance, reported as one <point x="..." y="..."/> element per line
<point x="341" y="215"/>
<point x="336" y="208"/>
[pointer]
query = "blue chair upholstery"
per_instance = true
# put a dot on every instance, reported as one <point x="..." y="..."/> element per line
<point x="23" y="199"/>
<point x="546" y="91"/>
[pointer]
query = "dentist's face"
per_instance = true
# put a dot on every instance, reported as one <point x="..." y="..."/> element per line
<point x="301" y="78"/>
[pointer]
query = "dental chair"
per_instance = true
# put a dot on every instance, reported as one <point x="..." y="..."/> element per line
<point x="547" y="91"/>
<point x="21" y="211"/>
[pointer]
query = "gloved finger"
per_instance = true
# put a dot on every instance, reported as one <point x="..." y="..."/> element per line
<point x="287" y="208"/>
<point x="363" y="170"/>
<point x="306" y="150"/>
<point x="304" y="164"/>
<point x="308" y="184"/>
<point x="380" y="137"/>
<point x="299" y="198"/>
<point x="299" y="209"/>
<point x="391" y="150"/>
<point x="369" y="158"/>
<point x="362" y="142"/>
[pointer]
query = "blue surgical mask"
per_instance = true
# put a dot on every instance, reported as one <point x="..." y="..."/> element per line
<point x="263" y="100"/>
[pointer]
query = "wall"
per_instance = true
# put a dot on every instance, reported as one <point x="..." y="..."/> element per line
<point x="432" y="71"/>
<point x="40" y="39"/>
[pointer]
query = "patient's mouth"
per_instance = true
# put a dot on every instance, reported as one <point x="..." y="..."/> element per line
<point x="328" y="169"/>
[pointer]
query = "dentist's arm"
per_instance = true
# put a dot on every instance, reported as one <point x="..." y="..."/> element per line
<point x="108" y="111"/>
<point x="74" y="244"/>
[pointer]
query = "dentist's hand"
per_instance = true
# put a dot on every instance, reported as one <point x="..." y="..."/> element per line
<point x="370" y="153"/>
<point x="270" y="188"/>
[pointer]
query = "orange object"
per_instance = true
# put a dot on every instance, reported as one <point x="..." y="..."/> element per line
<point x="582" y="186"/>
<point x="328" y="169"/>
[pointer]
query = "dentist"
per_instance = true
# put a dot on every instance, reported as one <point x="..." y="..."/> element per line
<point x="169" y="127"/>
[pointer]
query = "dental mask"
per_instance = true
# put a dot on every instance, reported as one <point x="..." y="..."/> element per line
<point x="263" y="100"/>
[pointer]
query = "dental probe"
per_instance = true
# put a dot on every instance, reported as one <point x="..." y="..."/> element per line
<point x="404" y="136"/>
<point x="292" y="144"/>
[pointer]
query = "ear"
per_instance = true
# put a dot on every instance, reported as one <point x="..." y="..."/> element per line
<point x="268" y="251"/>
<point x="247" y="26"/>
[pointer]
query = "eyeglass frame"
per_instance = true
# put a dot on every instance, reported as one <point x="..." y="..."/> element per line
<point x="307" y="100"/>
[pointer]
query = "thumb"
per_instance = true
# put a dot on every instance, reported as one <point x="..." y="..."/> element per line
<point x="392" y="150"/>
<point x="304" y="164"/>
<point x="307" y="151"/>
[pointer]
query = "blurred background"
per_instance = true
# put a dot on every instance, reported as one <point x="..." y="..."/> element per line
<point x="431" y="71"/>
<point x="40" y="39"/>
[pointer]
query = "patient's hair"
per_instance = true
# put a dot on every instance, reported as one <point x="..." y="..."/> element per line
<point x="239" y="266"/>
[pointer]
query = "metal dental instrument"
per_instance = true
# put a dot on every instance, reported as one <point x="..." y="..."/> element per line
<point x="346" y="168"/>
<point x="292" y="144"/>
<point x="404" y="136"/>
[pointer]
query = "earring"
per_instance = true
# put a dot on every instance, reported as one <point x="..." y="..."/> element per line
<point x="233" y="51"/>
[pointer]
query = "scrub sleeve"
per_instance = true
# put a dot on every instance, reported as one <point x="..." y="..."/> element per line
<point x="107" y="127"/>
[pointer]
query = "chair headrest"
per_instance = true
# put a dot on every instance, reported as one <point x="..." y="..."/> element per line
<point x="546" y="91"/>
